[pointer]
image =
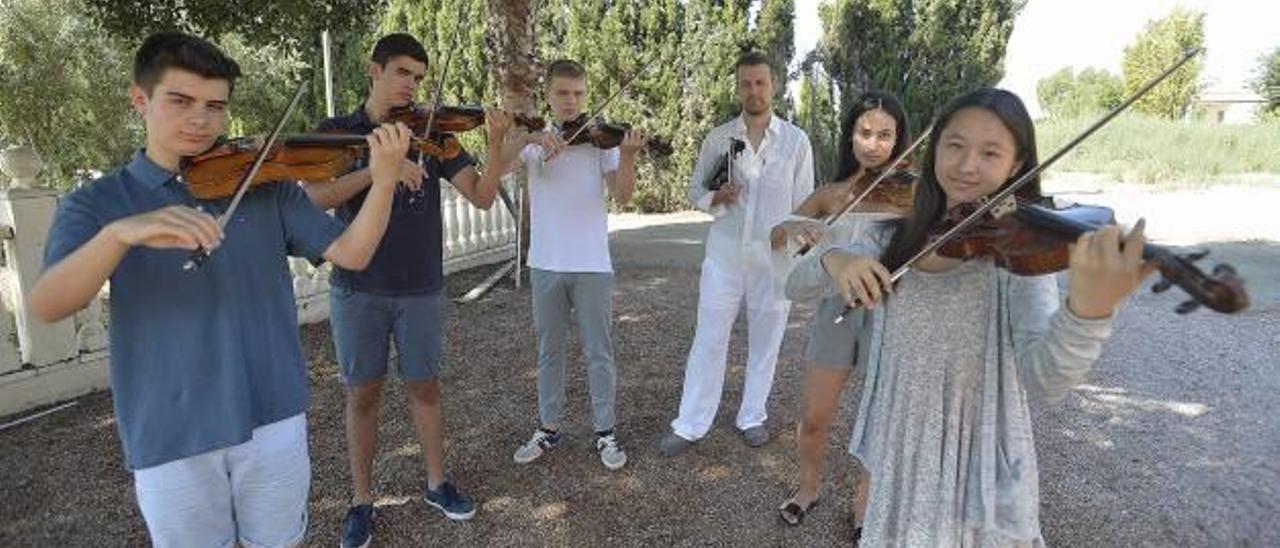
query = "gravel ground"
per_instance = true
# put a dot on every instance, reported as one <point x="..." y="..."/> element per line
<point x="1170" y="442"/>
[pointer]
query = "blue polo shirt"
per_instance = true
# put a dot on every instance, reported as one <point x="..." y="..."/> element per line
<point x="410" y="257"/>
<point x="199" y="359"/>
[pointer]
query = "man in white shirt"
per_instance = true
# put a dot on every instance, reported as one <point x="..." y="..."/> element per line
<point x="767" y="180"/>
<point x="571" y="273"/>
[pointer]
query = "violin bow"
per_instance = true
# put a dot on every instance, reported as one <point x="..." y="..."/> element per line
<point x="444" y="71"/>
<point x="615" y="95"/>
<point x="1002" y="197"/>
<point x="852" y="203"/>
<point x="200" y="255"/>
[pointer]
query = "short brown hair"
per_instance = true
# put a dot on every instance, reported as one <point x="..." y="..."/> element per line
<point x="752" y="59"/>
<point x="565" y="68"/>
<point x="165" y="50"/>
<point x="395" y="45"/>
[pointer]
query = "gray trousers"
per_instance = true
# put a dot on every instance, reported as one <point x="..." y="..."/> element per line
<point x="587" y="297"/>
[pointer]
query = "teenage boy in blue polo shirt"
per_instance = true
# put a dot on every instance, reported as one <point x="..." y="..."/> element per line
<point x="400" y="297"/>
<point x="207" y="373"/>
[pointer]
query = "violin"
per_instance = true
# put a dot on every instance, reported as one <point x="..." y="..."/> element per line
<point x="452" y="119"/>
<point x="896" y="190"/>
<point x="720" y="175"/>
<point x="310" y="157"/>
<point x="1031" y="239"/>
<point x="445" y="121"/>
<point x="601" y="134"/>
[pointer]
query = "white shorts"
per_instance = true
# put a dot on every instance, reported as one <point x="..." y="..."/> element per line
<point x="254" y="493"/>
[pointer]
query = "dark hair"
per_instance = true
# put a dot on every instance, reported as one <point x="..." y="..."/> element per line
<point x="395" y="45"/>
<point x="930" y="201"/>
<point x="165" y="50"/>
<point x="867" y="102"/>
<point x="752" y="59"/>
<point x="565" y="68"/>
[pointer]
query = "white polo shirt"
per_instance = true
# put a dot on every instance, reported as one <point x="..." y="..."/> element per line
<point x="569" y="224"/>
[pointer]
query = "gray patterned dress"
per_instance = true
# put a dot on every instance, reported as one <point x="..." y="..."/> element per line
<point x="943" y="425"/>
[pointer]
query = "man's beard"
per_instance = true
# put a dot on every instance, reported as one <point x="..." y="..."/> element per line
<point x="755" y="108"/>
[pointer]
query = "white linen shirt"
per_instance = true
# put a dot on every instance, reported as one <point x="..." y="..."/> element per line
<point x="775" y="178"/>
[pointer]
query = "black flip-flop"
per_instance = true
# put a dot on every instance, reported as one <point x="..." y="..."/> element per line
<point x="792" y="513"/>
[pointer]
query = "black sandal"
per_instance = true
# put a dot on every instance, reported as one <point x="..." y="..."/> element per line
<point x="792" y="513"/>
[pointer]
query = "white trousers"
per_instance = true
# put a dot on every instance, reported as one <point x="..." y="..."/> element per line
<point x="722" y="289"/>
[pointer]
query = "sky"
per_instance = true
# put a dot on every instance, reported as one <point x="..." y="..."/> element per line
<point x="1051" y="34"/>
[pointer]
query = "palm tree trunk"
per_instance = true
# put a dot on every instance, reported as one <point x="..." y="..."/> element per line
<point x="510" y="48"/>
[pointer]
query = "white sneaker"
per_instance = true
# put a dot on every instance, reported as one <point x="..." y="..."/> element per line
<point x="611" y="454"/>
<point x="541" y="441"/>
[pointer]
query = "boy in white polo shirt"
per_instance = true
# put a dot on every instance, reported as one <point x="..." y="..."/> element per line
<point x="570" y="270"/>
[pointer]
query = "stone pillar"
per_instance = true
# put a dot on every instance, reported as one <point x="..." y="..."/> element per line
<point x="26" y="211"/>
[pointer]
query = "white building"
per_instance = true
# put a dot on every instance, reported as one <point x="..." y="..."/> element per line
<point x="1227" y="105"/>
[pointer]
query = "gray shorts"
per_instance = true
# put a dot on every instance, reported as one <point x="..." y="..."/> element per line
<point x="364" y="324"/>
<point x="831" y="345"/>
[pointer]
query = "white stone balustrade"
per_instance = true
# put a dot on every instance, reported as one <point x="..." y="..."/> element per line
<point x="44" y="363"/>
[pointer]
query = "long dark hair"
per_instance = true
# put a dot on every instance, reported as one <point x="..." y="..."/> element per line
<point x="930" y="201"/>
<point x="867" y="102"/>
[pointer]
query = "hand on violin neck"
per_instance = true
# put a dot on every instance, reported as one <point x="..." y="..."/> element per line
<point x="498" y="124"/>
<point x="1104" y="269"/>
<point x="632" y="142"/>
<point x="388" y="145"/>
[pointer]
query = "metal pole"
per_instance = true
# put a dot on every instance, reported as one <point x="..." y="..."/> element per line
<point x="520" y="201"/>
<point x="326" y="47"/>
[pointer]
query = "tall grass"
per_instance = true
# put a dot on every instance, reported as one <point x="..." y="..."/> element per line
<point x="1140" y="148"/>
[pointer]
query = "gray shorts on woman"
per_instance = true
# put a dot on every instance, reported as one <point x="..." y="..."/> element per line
<point x="831" y="345"/>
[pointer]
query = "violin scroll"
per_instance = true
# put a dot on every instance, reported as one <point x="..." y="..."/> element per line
<point x="1221" y="291"/>
<point x="1033" y="239"/>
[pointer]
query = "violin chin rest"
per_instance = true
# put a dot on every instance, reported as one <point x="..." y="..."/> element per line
<point x="1196" y="255"/>
<point x="1187" y="307"/>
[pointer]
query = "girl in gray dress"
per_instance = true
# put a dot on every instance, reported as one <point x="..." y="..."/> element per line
<point x="874" y="132"/>
<point x="954" y="353"/>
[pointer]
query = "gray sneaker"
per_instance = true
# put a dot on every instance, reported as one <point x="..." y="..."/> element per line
<point x="755" y="436"/>
<point x="540" y="442"/>
<point x="611" y="454"/>
<point x="673" y="445"/>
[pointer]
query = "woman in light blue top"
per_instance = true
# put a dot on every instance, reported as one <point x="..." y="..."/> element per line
<point x="954" y="352"/>
<point x="874" y="132"/>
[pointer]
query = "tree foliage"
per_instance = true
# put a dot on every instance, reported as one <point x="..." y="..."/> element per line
<point x="775" y="35"/>
<point x="923" y="51"/>
<point x="292" y="24"/>
<point x="64" y="85"/>
<point x="687" y="90"/>
<point x="1267" y="84"/>
<point x="1155" y="49"/>
<point x="1067" y="94"/>
<point x="815" y="113"/>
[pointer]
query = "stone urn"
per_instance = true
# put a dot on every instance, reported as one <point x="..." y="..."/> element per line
<point x="22" y="164"/>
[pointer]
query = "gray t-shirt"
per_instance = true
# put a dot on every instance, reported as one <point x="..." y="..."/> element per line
<point x="943" y="425"/>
